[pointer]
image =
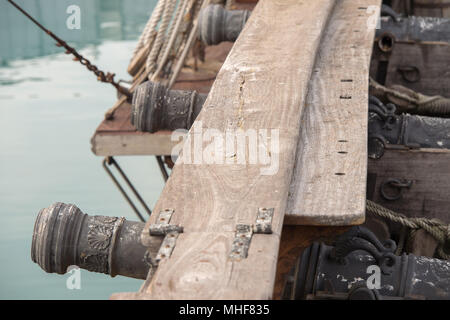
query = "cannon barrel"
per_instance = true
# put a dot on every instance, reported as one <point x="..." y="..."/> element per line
<point x="415" y="28"/>
<point x="215" y="24"/>
<point x="387" y="127"/>
<point x="342" y="272"/>
<point x="154" y="107"/>
<point x="65" y="236"/>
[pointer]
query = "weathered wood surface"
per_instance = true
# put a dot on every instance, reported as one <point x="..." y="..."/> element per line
<point x="329" y="181"/>
<point x="428" y="62"/>
<point x="429" y="171"/>
<point x="424" y="8"/>
<point x="262" y="85"/>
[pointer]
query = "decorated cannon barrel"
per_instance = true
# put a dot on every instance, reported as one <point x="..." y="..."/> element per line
<point x="360" y="267"/>
<point x="64" y="236"/>
<point x="215" y="24"/>
<point x="388" y="127"/>
<point x="154" y="107"/>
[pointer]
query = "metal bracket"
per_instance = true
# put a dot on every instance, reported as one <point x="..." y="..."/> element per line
<point x="244" y="233"/>
<point x="167" y="246"/>
<point x="264" y="221"/>
<point x="162" y="227"/>
<point x="241" y="242"/>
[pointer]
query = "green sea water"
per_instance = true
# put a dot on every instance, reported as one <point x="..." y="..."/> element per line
<point x="50" y="107"/>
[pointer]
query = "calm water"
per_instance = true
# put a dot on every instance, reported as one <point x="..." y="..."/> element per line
<point x="49" y="108"/>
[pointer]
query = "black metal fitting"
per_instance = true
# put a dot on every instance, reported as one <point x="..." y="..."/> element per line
<point x="65" y="236"/>
<point x="156" y="108"/>
<point x="342" y="271"/>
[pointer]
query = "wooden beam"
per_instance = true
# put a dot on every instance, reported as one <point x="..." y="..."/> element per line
<point x="329" y="181"/>
<point x="262" y="85"/>
<point x="132" y="144"/>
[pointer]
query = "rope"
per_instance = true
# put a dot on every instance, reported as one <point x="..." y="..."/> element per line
<point x="410" y="101"/>
<point x="149" y="32"/>
<point x="439" y="230"/>
<point x="150" y="64"/>
<point x="173" y="32"/>
<point x="188" y="44"/>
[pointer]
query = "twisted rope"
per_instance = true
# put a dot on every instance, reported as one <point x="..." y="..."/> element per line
<point x="408" y="100"/>
<point x="150" y="64"/>
<point x="172" y="34"/>
<point x="149" y="32"/>
<point x="439" y="230"/>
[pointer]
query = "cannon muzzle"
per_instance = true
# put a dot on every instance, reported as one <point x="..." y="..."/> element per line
<point x="65" y="236"/>
<point x="215" y="24"/>
<point x="156" y="108"/>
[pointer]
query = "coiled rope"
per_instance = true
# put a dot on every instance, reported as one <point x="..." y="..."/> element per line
<point x="436" y="228"/>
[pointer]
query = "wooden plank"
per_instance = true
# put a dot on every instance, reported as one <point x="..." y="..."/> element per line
<point x="329" y="182"/>
<point x="431" y="61"/>
<point x="135" y="143"/>
<point x="429" y="171"/>
<point x="262" y="85"/>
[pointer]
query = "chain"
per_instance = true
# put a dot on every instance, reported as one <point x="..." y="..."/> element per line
<point x="101" y="76"/>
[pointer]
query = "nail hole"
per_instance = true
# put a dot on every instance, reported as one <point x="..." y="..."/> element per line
<point x="342" y="141"/>
<point x="345" y="97"/>
<point x="362" y="8"/>
<point x="342" y="152"/>
<point x="340" y="174"/>
<point x="346" y="80"/>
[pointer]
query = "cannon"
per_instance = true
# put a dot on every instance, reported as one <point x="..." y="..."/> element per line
<point x="349" y="270"/>
<point x="215" y="24"/>
<point x="412" y="131"/>
<point x="154" y="107"/>
<point x="64" y="236"/>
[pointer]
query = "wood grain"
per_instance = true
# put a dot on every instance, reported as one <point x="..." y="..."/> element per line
<point x="431" y="60"/>
<point x="262" y="85"/>
<point x="429" y="171"/>
<point x="329" y="181"/>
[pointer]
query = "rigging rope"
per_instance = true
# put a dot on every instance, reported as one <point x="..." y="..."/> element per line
<point x="149" y="32"/>
<point x="410" y="101"/>
<point x="439" y="230"/>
